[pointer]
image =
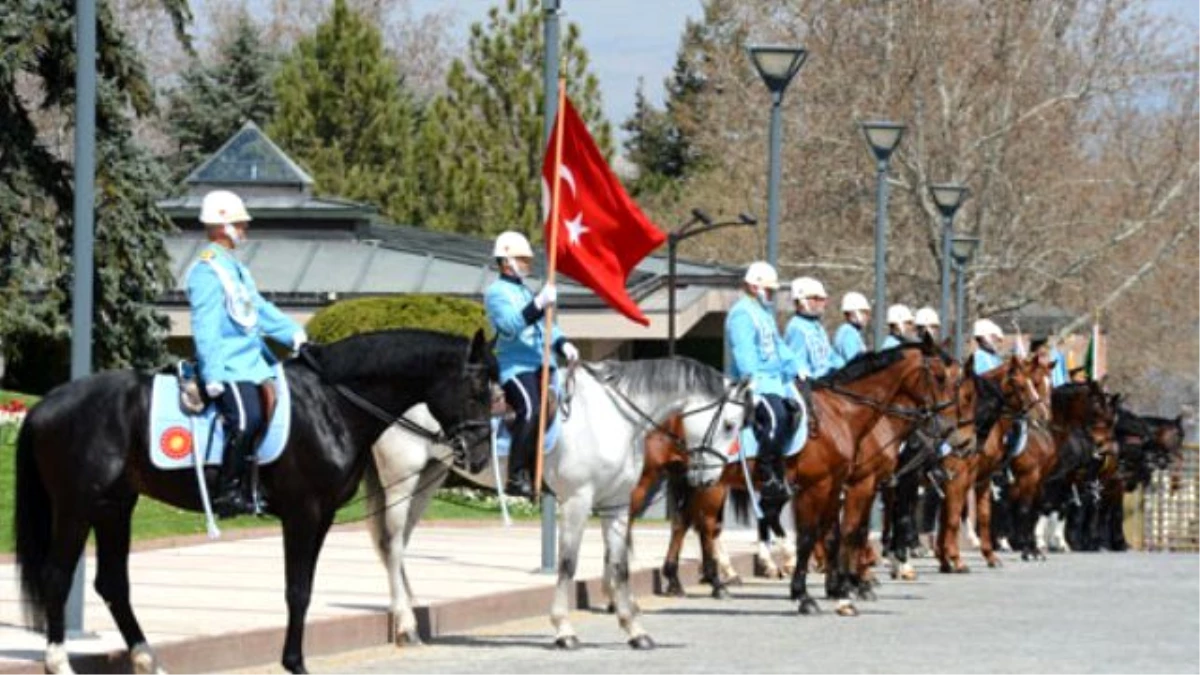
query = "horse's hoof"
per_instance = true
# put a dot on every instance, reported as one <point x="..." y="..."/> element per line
<point x="612" y="607"/>
<point x="994" y="563"/>
<point x="962" y="569"/>
<point x="642" y="642"/>
<point x="908" y="574"/>
<point x="674" y="590"/>
<point x="945" y="568"/>
<point x="808" y="607"/>
<point x="720" y="593"/>
<point x="735" y="580"/>
<point x="866" y="594"/>
<point x="144" y="661"/>
<point x="296" y="667"/>
<point x="876" y="581"/>
<point x="408" y="638"/>
<point x="567" y="643"/>
<point x="846" y="608"/>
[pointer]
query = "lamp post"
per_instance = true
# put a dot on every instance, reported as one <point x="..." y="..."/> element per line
<point x="776" y="65"/>
<point x="683" y="232"/>
<point x="948" y="197"/>
<point x="962" y="247"/>
<point x="883" y="137"/>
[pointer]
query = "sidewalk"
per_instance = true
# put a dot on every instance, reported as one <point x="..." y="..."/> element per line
<point x="221" y="605"/>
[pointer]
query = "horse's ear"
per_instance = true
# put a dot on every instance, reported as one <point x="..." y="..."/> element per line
<point x="969" y="364"/>
<point x="928" y="344"/>
<point x="478" y="347"/>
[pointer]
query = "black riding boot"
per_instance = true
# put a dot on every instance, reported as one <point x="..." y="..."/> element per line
<point x="230" y="499"/>
<point x="520" y="482"/>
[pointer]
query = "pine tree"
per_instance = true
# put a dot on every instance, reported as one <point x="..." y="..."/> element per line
<point x="345" y="114"/>
<point x="215" y="99"/>
<point x="481" y="144"/>
<point x="36" y="191"/>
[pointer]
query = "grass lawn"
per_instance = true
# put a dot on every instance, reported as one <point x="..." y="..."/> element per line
<point x="152" y="519"/>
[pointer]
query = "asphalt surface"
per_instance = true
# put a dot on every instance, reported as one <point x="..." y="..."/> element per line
<point x="1073" y="613"/>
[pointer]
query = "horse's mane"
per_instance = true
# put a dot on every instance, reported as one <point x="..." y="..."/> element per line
<point x="410" y="351"/>
<point x="865" y="365"/>
<point x="653" y="377"/>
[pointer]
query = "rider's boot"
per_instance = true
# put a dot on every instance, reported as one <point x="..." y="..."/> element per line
<point x="230" y="499"/>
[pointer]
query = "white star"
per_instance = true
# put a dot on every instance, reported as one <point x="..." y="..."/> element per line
<point x="576" y="228"/>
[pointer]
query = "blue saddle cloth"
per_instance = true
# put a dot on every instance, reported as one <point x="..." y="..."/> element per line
<point x="1017" y="438"/>
<point x="176" y="434"/>
<point x="748" y="444"/>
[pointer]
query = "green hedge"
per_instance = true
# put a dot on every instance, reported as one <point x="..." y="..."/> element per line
<point x="364" y="315"/>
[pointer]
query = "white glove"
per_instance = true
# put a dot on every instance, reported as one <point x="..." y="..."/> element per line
<point x="298" y="340"/>
<point x="214" y="389"/>
<point x="546" y="297"/>
<point x="570" y="352"/>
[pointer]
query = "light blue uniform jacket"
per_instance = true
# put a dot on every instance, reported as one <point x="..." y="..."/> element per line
<point x="848" y="343"/>
<point x="986" y="361"/>
<point x="519" y="342"/>
<point x="230" y="319"/>
<point x="810" y="343"/>
<point x="757" y="349"/>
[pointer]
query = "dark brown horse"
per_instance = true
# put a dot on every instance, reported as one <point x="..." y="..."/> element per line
<point x="848" y="404"/>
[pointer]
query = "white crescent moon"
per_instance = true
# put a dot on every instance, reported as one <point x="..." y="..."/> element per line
<point x="566" y="175"/>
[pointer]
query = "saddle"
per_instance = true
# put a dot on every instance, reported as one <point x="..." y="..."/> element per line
<point x="193" y="399"/>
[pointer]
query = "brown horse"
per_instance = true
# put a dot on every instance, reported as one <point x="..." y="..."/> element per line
<point x="877" y="462"/>
<point x="847" y="404"/>
<point x="1006" y="395"/>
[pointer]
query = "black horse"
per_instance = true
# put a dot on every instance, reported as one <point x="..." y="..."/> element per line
<point x="82" y="461"/>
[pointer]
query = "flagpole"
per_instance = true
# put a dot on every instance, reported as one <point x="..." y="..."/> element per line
<point x="548" y="333"/>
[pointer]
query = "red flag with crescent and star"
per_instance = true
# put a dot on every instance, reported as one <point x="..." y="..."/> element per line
<point x="604" y="234"/>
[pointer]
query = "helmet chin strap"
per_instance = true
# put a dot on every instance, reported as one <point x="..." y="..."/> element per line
<point x="231" y="232"/>
<point x="515" y="268"/>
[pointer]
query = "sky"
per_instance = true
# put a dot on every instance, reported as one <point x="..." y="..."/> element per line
<point x="628" y="39"/>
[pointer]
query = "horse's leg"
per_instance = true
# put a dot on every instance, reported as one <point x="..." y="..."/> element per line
<point x="764" y="562"/>
<point x="616" y="557"/>
<point x="303" y="535"/>
<point x="714" y="502"/>
<point x="904" y="528"/>
<point x="70" y="535"/>
<point x="573" y="518"/>
<point x="680" y="522"/>
<point x="983" y="514"/>
<point x="709" y="526"/>
<point x="833" y="561"/>
<point x="855" y="513"/>
<point x="112" y="526"/>
<point x="404" y="620"/>
<point x="806" y="511"/>
<point x="950" y="517"/>
<point x="970" y="516"/>
<point x="781" y="551"/>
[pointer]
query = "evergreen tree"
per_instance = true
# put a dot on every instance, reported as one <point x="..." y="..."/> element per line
<point x="36" y="190"/>
<point x="345" y="114"/>
<point x="216" y="99"/>
<point x="481" y="145"/>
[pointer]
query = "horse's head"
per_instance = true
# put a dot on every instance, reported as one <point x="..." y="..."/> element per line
<point x="1086" y="408"/>
<point x="460" y="399"/>
<point x="1016" y="385"/>
<point x="929" y="382"/>
<point x="717" y="424"/>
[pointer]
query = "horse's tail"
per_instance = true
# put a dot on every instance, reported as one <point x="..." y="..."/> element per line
<point x="32" y="522"/>
<point x="741" y="506"/>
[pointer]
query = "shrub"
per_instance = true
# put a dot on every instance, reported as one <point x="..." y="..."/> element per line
<point x="364" y="315"/>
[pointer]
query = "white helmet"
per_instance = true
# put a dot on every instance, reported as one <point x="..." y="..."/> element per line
<point x="987" y="328"/>
<point x="762" y="275"/>
<point x="807" y="287"/>
<point x="222" y="207"/>
<point x="855" y="302"/>
<point x="926" y="316"/>
<point x="512" y="245"/>
<point x="899" y="314"/>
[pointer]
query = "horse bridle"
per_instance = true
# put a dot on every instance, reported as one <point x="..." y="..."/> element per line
<point x="705" y="448"/>
<point x="459" y="438"/>
<point x="918" y="414"/>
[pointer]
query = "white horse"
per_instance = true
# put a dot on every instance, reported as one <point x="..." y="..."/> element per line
<point x="607" y="410"/>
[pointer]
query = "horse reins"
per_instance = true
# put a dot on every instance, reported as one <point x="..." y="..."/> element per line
<point x="459" y="438"/>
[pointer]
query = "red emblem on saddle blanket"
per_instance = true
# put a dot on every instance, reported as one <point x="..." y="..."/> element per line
<point x="176" y="442"/>
<point x="735" y="447"/>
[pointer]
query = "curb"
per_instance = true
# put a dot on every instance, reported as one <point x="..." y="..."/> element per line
<point x="340" y="634"/>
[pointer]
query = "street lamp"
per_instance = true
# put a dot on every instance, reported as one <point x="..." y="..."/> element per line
<point x="687" y="231"/>
<point x="963" y="249"/>
<point x="883" y="137"/>
<point x="776" y="65"/>
<point x="948" y="197"/>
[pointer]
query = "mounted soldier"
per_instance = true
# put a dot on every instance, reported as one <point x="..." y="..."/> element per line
<point x="517" y="316"/>
<point x="759" y="353"/>
<point x="805" y="334"/>
<point x="848" y="341"/>
<point x="229" y="321"/>
<point x="900" y="326"/>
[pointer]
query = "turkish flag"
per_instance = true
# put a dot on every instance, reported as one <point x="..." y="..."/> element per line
<point x="602" y="234"/>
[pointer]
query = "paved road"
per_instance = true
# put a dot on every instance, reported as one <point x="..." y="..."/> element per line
<point x="1074" y="613"/>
